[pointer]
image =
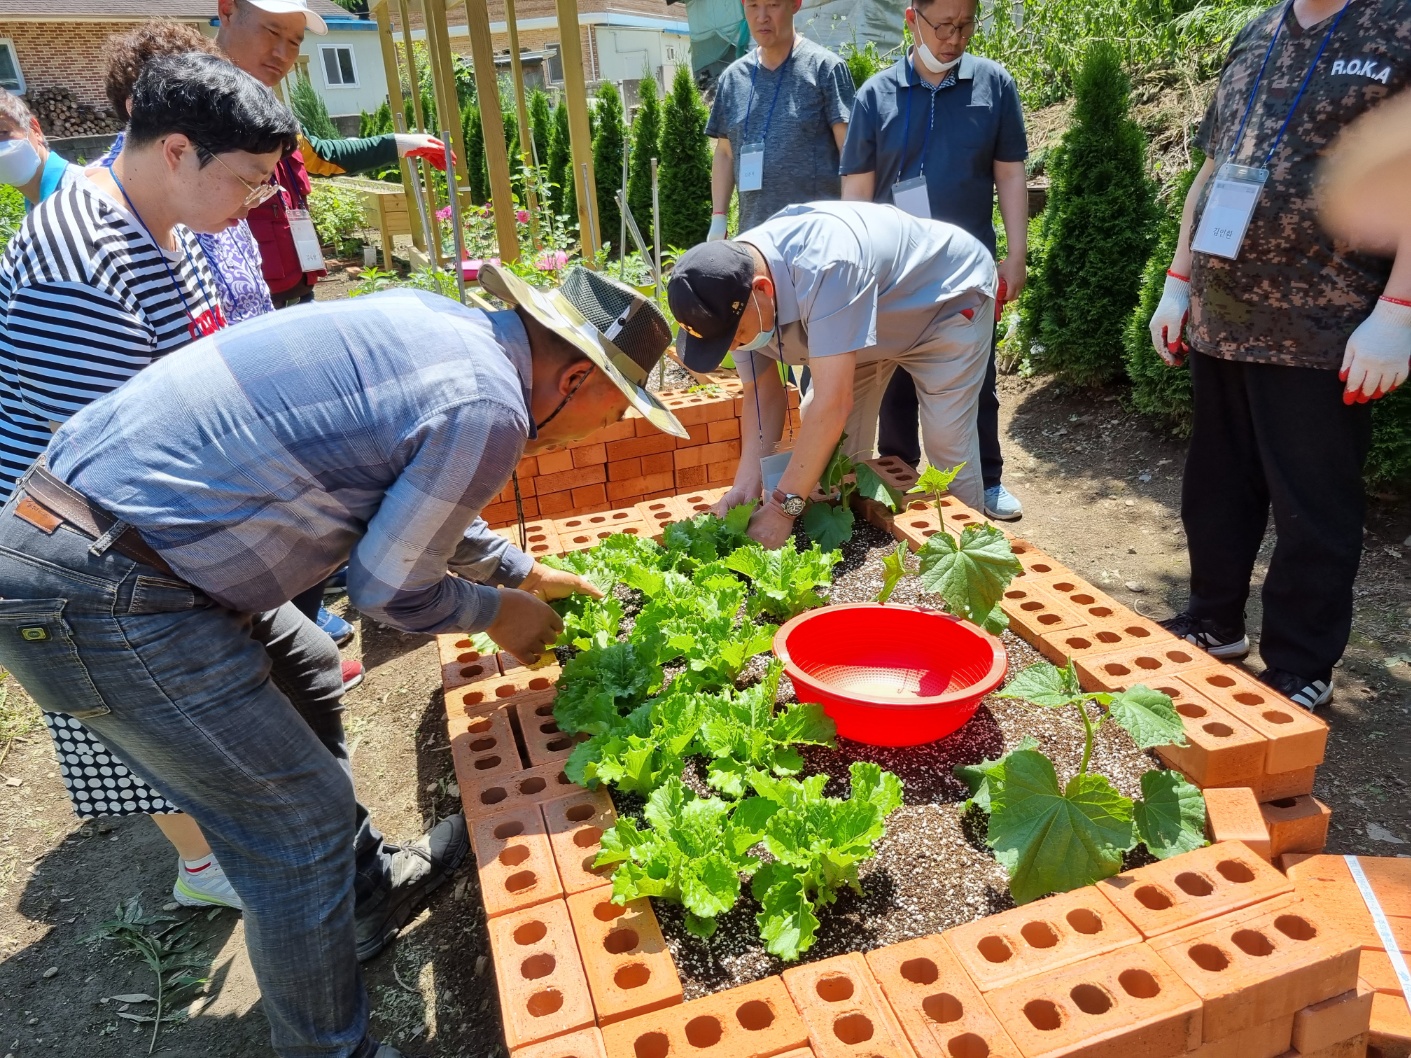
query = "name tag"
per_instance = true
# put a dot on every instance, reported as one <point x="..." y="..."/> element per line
<point x="752" y="167"/>
<point x="306" y="243"/>
<point x="772" y="470"/>
<point x="911" y="196"/>
<point x="1234" y="196"/>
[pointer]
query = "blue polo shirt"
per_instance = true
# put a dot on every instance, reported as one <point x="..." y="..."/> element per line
<point x="56" y="173"/>
<point x="977" y="121"/>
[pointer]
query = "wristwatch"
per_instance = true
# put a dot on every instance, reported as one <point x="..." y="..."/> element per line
<point x="791" y="503"/>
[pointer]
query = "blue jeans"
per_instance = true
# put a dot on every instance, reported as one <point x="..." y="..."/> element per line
<point x="187" y="694"/>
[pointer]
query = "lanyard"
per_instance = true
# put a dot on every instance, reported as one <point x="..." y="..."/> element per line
<point x="930" y="126"/>
<point x="749" y="107"/>
<point x="290" y="184"/>
<point x="213" y="319"/>
<point x="1302" y="88"/>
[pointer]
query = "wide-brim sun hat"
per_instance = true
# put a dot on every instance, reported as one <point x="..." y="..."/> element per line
<point x="312" y="19"/>
<point x="620" y="330"/>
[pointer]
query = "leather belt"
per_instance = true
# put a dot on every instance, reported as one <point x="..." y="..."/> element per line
<point x="48" y="503"/>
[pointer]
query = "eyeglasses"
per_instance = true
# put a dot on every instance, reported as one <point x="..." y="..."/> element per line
<point x="258" y="195"/>
<point x="946" y="30"/>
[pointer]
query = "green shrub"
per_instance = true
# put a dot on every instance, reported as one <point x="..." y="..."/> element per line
<point x="474" y="134"/>
<point x="1098" y="229"/>
<point x="309" y="108"/>
<point x="378" y="123"/>
<point x="541" y="126"/>
<point x="1389" y="462"/>
<point x="1158" y="390"/>
<point x="684" y="171"/>
<point x="12" y="212"/>
<point x="646" y="145"/>
<point x="337" y="213"/>
<point x="608" y="146"/>
<point x="863" y="62"/>
<point x="561" y="167"/>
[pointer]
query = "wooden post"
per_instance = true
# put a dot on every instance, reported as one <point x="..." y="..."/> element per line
<point x="525" y="152"/>
<point x="482" y="51"/>
<point x="443" y="74"/>
<point x="394" y="101"/>
<point x="580" y="141"/>
<point x="433" y="236"/>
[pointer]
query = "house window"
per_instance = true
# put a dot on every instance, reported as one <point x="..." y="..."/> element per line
<point x="338" y="68"/>
<point x="10" y="76"/>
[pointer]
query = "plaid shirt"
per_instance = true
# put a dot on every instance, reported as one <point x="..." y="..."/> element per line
<point x="370" y="432"/>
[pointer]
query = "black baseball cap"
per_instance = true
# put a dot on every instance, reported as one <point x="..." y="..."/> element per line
<point x="709" y="289"/>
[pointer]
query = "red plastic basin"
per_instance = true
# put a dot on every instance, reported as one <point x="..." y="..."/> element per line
<point x="890" y="675"/>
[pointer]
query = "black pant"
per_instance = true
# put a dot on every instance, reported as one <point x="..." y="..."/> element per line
<point x="1264" y="436"/>
<point x="899" y="421"/>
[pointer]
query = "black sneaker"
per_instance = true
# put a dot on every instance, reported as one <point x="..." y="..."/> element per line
<point x="417" y="870"/>
<point x="1216" y="640"/>
<point x="1298" y="689"/>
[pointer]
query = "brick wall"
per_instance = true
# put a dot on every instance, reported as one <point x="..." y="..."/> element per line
<point x="62" y="53"/>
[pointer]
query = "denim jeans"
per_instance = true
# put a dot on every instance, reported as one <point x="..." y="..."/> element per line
<point x="187" y="694"/>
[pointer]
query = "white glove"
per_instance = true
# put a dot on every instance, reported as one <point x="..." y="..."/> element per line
<point x="420" y="145"/>
<point x="1377" y="356"/>
<point x="717" y="227"/>
<point x="1168" y="325"/>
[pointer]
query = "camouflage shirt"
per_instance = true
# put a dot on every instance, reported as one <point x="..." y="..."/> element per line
<point x="1295" y="295"/>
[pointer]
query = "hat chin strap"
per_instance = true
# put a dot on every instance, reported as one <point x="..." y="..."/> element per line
<point x="567" y="396"/>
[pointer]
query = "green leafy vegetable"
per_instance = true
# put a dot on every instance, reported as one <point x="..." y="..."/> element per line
<point x="970" y="576"/>
<point x="784" y="580"/>
<point x="934" y="481"/>
<point x="871" y="486"/>
<point x="706" y="538"/>
<point x="1170" y="817"/>
<point x="893" y="570"/>
<point x="977" y="776"/>
<point x="597" y="687"/>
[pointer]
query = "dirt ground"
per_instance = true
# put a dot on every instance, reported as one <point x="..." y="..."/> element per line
<point x="1101" y="487"/>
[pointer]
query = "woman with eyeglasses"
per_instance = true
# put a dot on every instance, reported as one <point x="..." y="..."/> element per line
<point x="26" y="162"/>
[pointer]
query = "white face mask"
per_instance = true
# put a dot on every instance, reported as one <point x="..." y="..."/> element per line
<point x="760" y="340"/>
<point x="929" y="60"/>
<point x="18" y="162"/>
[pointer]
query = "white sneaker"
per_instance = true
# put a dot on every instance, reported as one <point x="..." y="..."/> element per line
<point x="206" y="887"/>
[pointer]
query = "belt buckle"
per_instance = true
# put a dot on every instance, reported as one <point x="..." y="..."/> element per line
<point x="43" y="519"/>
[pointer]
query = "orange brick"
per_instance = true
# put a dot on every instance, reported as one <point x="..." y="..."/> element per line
<point x="543" y="990"/>
<point x="894" y="472"/>
<point x="1032" y="613"/>
<point x="462" y="663"/>
<point x="699" y="501"/>
<point x="691" y="477"/>
<point x="624" y="469"/>
<point x="1143" y="657"/>
<point x="544" y="743"/>
<point x="1286" y="784"/>
<point x="586" y="1043"/>
<point x="1260" y="963"/>
<point x="1232" y="814"/>
<point x="1333" y="1020"/>
<point x="576" y="823"/>
<point x="661" y="513"/>
<point x="502" y="792"/>
<point x="578" y="478"/>
<point x="724" y="430"/>
<point x="696" y="408"/>
<point x="480" y="697"/>
<point x="588" y="530"/>
<point x="844" y="1010"/>
<point x="540" y="539"/>
<point x="1296" y="824"/>
<point x="1391" y="1027"/>
<point x="589" y="498"/>
<point x="585" y="455"/>
<point x="515" y="861"/>
<point x="655" y="441"/>
<point x="1119" y="1005"/>
<point x="1219" y="750"/>
<point x="722" y="473"/>
<point x="483" y="747"/>
<point x="1357" y="1047"/>
<point x="1338" y="899"/>
<point x="555" y="503"/>
<point x="1040" y="566"/>
<point x="1266" y="1040"/>
<point x="629" y="968"/>
<point x="528" y="467"/>
<point x="1193" y="887"/>
<point x="621" y="491"/>
<point x="688" y="458"/>
<point x="659" y="463"/>
<point x="753" y="1021"/>
<point x="559" y="462"/>
<point x="1389" y="877"/>
<point x="939" y="1007"/>
<point x="1297" y="739"/>
<point x="1375" y="968"/>
<point x="1040" y="937"/>
<point x="502" y="514"/>
<point x="619" y="431"/>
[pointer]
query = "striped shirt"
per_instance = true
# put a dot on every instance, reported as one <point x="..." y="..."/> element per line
<point x="370" y="431"/>
<point x="87" y="300"/>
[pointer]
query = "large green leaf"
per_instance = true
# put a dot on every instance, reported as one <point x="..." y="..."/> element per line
<point x="893" y="570"/>
<point x="1170" y="817"/>
<point x="988" y="774"/>
<point x="870" y="485"/>
<point x="1052" y="840"/>
<point x="1148" y="716"/>
<point x="1046" y="685"/>
<point x="827" y="525"/>
<point x="970" y="575"/>
<point x="934" y="481"/>
<point x="786" y="919"/>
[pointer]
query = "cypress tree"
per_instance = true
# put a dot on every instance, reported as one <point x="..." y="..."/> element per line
<point x="474" y="134"/>
<point x="1158" y="390"/>
<point x="1098" y="231"/>
<point x="684" y="170"/>
<point x="646" y="143"/>
<point x="607" y="163"/>
<point x="560" y="167"/>
<point x="541" y="124"/>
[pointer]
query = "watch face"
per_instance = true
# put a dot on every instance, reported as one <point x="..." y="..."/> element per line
<point x="793" y="506"/>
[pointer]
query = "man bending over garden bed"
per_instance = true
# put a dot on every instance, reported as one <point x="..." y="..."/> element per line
<point x="189" y="506"/>
<point x="854" y="290"/>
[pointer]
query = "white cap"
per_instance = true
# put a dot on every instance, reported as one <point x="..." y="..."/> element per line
<point x="312" y="19"/>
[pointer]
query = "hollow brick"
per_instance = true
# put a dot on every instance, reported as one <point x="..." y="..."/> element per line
<point x="585" y="1043"/>
<point x="483" y="746"/>
<point x="1391" y="1027"/>
<point x="462" y="663"/>
<point x="1297" y="738"/>
<point x="1268" y="1039"/>
<point x="515" y="861"/>
<point x="543" y="990"/>
<point x="756" y="1020"/>
<point x="543" y="740"/>
<point x="1232" y="814"/>
<point x="1140" y="656"/>
<point x="1333" y="1020"/>
<point x="1296" y="824"/>
<point x="492" y="691"/>
<point x="625" y="957"/>
<point x="524" y="788"/>
<point x="576" y="823"/>
<point x="1220" y="750"/>
<point x="845" y="1011"/>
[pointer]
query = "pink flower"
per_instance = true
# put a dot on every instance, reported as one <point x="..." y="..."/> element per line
<point x="522" y="215"/>
<point x="552" y="262"/>
<point x="444" y="213"/>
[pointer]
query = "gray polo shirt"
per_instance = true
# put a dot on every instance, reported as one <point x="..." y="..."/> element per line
<point x="863" y="277"/>
<point x="978" y="121"/>
<point x="815" y="92"/>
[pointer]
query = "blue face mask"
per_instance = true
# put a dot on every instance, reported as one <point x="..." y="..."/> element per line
<point x="760" y="340"/>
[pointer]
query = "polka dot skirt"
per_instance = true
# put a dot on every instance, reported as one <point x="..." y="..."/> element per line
<point x="99" y="784"/>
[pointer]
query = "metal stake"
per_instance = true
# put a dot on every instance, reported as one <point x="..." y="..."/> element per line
<point x="656" y="248"/>
<point x="458" y="241"/>
<point x="400" y="124"/>
<point x="592" y="211"/>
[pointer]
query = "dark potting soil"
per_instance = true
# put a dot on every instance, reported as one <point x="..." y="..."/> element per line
<point x="932" y="871"/>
